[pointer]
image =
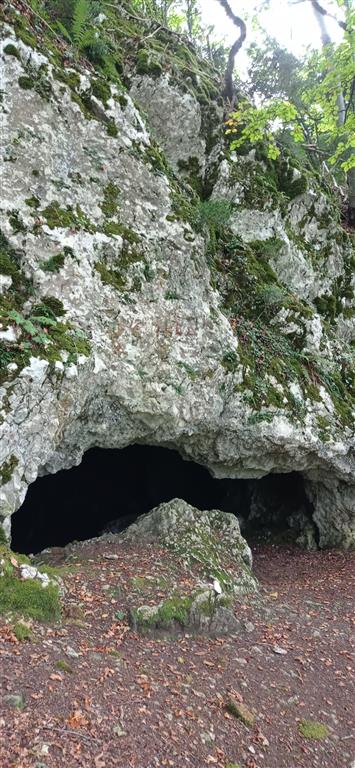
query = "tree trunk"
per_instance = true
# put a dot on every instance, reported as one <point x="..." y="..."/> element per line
<point x="351" y="187"/>
<point x="326" y="40"/>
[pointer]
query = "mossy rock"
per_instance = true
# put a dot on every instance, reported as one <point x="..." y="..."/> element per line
<point x="173" y="610"/>
<point x="201" y="612"/>
<point x="210" y="538"/>
<point x="66" y="218"/>
<point x="241" y="712"/>
<point x="148" y="63"/>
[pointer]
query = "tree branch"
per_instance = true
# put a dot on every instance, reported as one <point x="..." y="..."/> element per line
<point x="323" y="12"/>
<point x="351" y="100"/>
<point x="238" y="22"/>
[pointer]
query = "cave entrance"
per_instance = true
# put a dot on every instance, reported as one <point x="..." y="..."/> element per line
<point x="121" y="484"/>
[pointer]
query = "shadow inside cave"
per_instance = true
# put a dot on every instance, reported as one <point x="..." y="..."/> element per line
<point x="121" y="484"/>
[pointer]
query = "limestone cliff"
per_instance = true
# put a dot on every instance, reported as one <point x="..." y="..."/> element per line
<point x="155" y="289"/>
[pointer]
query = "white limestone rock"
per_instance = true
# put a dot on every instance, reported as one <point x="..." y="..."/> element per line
<point x="164" y="361"/>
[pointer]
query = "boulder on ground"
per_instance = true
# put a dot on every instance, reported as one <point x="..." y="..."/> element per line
<point x="209" y="537"/>
<point x="211" y="543"/>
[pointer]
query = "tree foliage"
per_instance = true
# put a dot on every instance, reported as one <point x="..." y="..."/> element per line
<point x="312" y="100"/>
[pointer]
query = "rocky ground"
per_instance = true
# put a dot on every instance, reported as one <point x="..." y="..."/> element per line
<point x="91" y="692"/>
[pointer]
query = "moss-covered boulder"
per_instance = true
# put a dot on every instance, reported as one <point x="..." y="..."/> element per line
<point x="202" y="612"/>
<point x="210" y="538"/>
<point x="210" y="544"/>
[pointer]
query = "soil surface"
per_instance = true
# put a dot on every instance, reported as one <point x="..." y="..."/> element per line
<point x="96" y="694"/>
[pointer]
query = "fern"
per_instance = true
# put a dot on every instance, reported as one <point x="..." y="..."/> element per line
<point x="63" y="30"/>
<point x="81" y="14"/>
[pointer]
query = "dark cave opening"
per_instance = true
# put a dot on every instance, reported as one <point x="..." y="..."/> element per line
<point x="121" y="484"/>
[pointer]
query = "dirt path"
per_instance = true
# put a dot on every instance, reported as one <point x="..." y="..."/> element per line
<point x="97" y="695"/>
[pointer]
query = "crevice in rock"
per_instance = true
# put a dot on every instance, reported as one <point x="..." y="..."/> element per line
<point x="112" y="487"/>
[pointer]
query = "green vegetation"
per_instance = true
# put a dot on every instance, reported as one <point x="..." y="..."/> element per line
<point x="111" y="128"/>
<point x="174" y="609"/>
<point x="66" y="218"/>
<point x="16" y="221"/>
<point x="29" y="598"/>
<point x="113" y="277"/>
<point x="110" y="202"/>
<point x="25" y="82"/>
<point x="268" y="359"/>
<point x="230" y="361"/>
<point x="39" y="331"/>
<point x="120" y="274"/>
<point x="54" y="264"/>
<point x="101" y="90"/>
<point x="240" y="712"/>
<point x="11" y="50"/>
<point x="7" y="469"/>
<point x="310" y="729"/>
<point x="32" y="202"/>
<point x="36" y="79"/>
<point x="22" y="631"/>
<point x="63" y="666"/>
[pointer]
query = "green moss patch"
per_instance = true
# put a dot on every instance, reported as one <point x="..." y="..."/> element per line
<point x="7" y="469"/>
<point x="16" y="222"/>
<point x="310" y="729"/>
<point x="66" y="218"/>
<point x="36" y="79"/>
<point x="267" y="359"/>
<point x="112" y="277"/>
<point x="120" y="274"/>
<point x="26" y="82"/>
<point x="101" y="90"/>
<point x="240" y="712"/>
<point x="32" y="202"/>
<point x="110" y="203"/>
<point x="111" y="128"/>
<point x="174" y="610"/>
<point x="39" y="331"/>
<point x="64" y="666"/>
<point x="26" y="597"/>
<point x="22" y="631"/>
<point x="11" y="50"/>
<point x="29" y="598"/>
<point x="56" y="262"/>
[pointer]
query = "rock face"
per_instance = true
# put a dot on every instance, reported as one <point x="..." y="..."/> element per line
<point x="186" y="299"/>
